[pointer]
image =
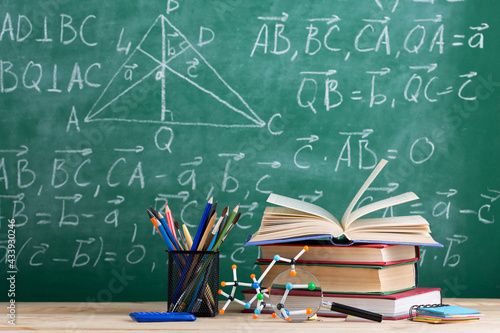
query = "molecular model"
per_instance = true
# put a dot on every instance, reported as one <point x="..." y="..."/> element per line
<point x="261" y="294"/>
<point x="281" y="305"/>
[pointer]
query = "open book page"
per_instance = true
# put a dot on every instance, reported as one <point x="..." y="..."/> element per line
<point x="289" y="226"/>
<point x="393" y="201"/>
<point x="284" y="211"/>
<point x="413" y="229"/>
<point x="344" y="224"/>
<point x="302" y="206"/>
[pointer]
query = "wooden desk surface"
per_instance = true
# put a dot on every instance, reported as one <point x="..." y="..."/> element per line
<point x="106" y="317"/>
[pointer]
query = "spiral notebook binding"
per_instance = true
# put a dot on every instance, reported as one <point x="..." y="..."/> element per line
<point x="414" y="308"/>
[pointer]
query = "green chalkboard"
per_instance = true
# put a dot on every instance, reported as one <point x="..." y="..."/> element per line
<point x="108" y="107"/>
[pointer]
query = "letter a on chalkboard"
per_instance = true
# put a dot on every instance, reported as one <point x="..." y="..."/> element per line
<point x="166" y="80"/>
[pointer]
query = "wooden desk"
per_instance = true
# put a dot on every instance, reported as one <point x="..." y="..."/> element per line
<point x="106" y="317"/>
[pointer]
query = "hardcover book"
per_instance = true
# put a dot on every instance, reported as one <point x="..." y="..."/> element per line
<point x="296" y="220"/>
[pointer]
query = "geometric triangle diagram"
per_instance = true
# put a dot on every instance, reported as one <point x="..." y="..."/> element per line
<point x="166" y="80"/>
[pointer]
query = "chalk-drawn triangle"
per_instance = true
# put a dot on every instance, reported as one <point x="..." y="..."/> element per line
<point x="179" y="85"/>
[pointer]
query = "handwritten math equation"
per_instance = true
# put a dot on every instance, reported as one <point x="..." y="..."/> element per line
<point x="67" y="212"/>
<point x="324" y="89"/>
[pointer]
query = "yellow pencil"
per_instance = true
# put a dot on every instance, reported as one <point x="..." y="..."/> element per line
<point x="189" y="240"/>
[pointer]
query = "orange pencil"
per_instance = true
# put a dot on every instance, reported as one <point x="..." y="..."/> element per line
<point x="153" y="220"/>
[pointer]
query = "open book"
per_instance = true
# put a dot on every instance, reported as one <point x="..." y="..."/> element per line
<point x="297" y="220"/>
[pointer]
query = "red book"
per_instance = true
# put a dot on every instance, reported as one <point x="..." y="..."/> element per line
<point x="369" y="254"/>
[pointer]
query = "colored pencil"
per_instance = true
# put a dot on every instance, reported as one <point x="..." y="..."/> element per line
<point x="178" y="259"/>
<point x="189" y="240"/>
<point x="170" y="221"/>
<point x="208" y="230"/>
<point x="201" y="227"/>
<point x="151" y="217"/>
<point x="167" y="229"/>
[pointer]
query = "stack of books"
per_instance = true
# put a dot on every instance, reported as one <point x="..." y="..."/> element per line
<point x="365" y="263"/>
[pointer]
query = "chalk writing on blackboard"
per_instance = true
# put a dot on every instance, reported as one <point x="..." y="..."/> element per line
<point x="164" y="58"/>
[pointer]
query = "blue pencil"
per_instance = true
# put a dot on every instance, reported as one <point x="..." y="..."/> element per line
<point x="164" y="224"/>
<point x="166" y="239"/>
<point x="202" y="225"/>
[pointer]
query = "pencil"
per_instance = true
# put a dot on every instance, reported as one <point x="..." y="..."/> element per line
<point x="155" y="213"/>
<point x="151" y="217"/>
<point x="180" y="262"/>
<point x="208" y="230"/>
<point x="170" y="221"/>
<point x="202" y="225"/>
<point x="189" y="240"/>
<point x="164" y="224"/>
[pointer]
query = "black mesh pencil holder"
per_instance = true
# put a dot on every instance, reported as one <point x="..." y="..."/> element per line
<point x="193" y="282"/>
